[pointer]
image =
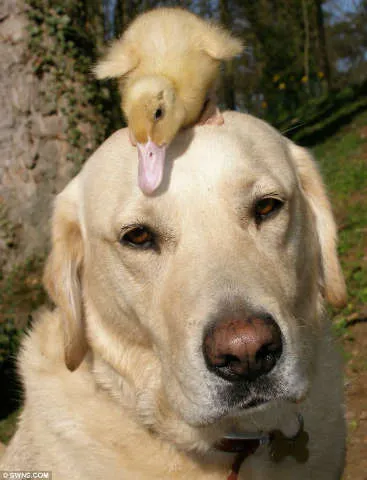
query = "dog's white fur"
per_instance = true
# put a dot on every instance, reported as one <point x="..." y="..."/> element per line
<point x="137" y="401"/>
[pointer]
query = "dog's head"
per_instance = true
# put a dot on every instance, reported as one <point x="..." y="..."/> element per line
<point x="202" y="304"/>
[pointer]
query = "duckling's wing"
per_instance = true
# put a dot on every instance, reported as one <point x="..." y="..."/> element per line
<point x="218" y="43"/>
<point x="121" y="58"/>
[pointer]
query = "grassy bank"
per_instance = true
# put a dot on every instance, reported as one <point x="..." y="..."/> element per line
<point x="343" y="163"/>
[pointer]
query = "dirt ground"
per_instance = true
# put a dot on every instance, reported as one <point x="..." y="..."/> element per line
<point x="354" y="342"/>
<point x="355" y="346"/>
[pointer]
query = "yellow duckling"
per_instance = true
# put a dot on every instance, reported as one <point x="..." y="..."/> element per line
<point x="167" y="62"/>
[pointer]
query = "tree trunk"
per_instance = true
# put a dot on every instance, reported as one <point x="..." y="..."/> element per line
<point x="322" y="41"/>
<point x="306" y="51"/>
<point x="229" y="80"/>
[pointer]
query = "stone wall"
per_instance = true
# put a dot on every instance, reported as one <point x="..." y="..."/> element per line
<point x="33" y="146"/>
<point x="37" y="153"/>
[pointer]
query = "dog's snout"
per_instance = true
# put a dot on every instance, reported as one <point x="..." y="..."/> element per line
<point x="242" y="348"/>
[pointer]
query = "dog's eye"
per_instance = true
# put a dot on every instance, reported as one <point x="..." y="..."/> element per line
<point x="138" y="237"/>
<point x="266" y="207"/>
<point x="158" y="113"/>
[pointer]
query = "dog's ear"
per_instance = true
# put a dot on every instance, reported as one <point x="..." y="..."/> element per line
<point x="62" y="277"/>
<point x="120" y="59"/>
<point x="332" y="279"/>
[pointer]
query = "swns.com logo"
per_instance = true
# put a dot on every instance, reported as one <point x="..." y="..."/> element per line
<point x="25" y="475"/>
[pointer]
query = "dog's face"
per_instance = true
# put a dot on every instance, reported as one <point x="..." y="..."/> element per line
<point x="204" y="299"/>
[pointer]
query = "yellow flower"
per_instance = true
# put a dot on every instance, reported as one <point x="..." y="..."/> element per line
<point x="276" y="78"/>
<point x="264" y="104"/>
<point x="282" y="86"/>
<point x="320" y="74"/>
<point x="304" y="79"/>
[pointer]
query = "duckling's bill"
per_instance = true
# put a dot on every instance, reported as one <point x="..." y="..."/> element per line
<point x="151" y="166"/>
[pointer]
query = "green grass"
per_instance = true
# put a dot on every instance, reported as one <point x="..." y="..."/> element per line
<point x="343" y="163"/>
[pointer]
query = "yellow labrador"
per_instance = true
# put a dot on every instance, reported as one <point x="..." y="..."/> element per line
<point x="189" y="321"/>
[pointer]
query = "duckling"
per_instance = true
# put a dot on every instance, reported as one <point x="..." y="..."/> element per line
<point x="167" y="63"/>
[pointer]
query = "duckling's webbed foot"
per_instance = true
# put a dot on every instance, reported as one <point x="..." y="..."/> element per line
<point x="211" y="114"/>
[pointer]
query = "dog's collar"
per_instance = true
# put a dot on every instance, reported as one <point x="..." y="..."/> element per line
<point x="280" y="446"/>
<point x="243" y="445"/>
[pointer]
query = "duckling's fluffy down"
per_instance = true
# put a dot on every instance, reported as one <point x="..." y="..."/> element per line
<point x="162" y="40"/>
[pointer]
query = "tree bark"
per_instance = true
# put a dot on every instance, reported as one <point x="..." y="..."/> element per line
<point x="229" y="80"/>
<point x="322" y="41"/>
<point x="306" y="51"/>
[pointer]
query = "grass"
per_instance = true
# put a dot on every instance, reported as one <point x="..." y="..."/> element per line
<point x="343" y="163"/>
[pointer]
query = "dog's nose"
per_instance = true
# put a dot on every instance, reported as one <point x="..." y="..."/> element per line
<point x="244" y="348"/>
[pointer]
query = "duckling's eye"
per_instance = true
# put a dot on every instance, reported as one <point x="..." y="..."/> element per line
<point x="138" y="237"/>
<point x="266" y="207"/>
<point x="158" y="114"/>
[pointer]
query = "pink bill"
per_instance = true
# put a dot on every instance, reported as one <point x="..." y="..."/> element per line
<point x="151" y="166"/>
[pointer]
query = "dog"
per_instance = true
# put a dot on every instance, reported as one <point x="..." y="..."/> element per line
<point x="189" y="318"/>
